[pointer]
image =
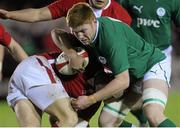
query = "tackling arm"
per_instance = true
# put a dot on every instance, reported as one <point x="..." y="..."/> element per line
<point x="27" y="15"/>
<point x="117" y="85"/>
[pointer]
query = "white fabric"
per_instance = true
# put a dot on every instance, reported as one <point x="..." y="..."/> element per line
<point x="117" y="109"/>
<point x="81" y="123"/>
<point x="152" y="95"/>
<point x="98" y="12"/>
<point x="31" y="81"/>
<point x="161" y="70"/>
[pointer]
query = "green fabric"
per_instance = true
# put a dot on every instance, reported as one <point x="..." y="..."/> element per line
<point x="167" y="123"/>
<point x="139" y="114"/>
<point x="113" y="109"/>
<point x="152" y="19"/>
<point x="125" y="124"/>
<point x="123" y="49"/>
<point x="153" y="99"/>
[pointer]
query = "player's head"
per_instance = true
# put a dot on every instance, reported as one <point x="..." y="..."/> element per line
<point x="82" y="21"/>
<point x="72" y="66"/>
<point x="79" y="59"/>
<point x="99" y="4"/>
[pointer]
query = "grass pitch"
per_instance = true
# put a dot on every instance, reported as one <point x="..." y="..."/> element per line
<point x="8" y="119"/>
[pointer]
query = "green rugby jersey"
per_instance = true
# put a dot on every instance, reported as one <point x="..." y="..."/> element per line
<point x="152" y="19"/>
<point x="122" y="48"/>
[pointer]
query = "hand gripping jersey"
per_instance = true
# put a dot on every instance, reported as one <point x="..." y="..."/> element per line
<point x="152" y="19"/>
<point x="77" y="85"/>
<point x="60" y="8"/>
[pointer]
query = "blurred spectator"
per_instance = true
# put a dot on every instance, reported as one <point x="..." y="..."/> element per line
<point x="34" y="37"/>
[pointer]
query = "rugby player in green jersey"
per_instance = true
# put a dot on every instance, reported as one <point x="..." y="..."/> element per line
<point x="152" y="20"/>
<point x="130" y="59"/>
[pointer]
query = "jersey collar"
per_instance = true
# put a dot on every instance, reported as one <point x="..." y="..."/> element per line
<point x="104" y="7"/>
<point x="97" y="29"/>
<point x="98" y="12"/>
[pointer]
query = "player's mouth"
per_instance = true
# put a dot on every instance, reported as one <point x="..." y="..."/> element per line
<point x="99" y="2"/>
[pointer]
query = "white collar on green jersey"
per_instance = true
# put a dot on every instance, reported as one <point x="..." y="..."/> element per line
<point x="98" y="12"/>
<point x="97" y="29"/>
<point x="109" y="2"/>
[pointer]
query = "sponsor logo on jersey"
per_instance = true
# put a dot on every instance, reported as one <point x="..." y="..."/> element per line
<point x="139" y="9"/>
<point x="148" y="22"/>
<point x="161" y="11"/>
<point x="102" y="60"/>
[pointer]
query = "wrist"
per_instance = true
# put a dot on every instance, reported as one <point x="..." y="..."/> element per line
<point x="8" y="15"/>
<point x="92" y="98"/>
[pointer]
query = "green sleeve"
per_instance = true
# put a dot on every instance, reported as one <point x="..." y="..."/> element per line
<point x="117" y="52"/>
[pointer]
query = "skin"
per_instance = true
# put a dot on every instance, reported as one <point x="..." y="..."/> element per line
<point x="86" y="32"/>
<point x="41" y="14"/>
<point x="98" y="4"/>
<point x="77" y="62"/>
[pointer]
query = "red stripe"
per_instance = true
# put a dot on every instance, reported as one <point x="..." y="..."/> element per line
<point x="60" y="65"/>
<point x="84" y="54"/>
<point x="50" y="74"/>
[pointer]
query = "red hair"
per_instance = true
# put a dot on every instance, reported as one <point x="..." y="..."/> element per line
<point x="80" y="14"/>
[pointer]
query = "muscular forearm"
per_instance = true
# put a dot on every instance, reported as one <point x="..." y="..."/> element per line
<point x="116" y="86"/>
<point x="30" y="15"/>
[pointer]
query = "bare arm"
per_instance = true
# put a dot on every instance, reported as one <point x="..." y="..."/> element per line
<point x="61" y="41"/>
<point x="17" y="51"/>
<point x="1" y="61"/>
<point x="56" y="35"/>
<point x="27" y="15"/>
<point x="117" y="85"/>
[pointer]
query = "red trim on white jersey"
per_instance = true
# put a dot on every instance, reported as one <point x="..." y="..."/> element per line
<point x="50" y="74"/>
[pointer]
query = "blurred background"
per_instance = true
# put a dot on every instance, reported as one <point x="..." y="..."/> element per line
<point x="35" y="38"/>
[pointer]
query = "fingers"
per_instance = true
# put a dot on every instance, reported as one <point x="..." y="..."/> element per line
<point x="3" y="14"/>
<point x="74" y="104"/>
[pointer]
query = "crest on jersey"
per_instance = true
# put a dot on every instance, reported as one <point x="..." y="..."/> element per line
<point x="102" y="60"/>
<point x="161" y="11"/>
